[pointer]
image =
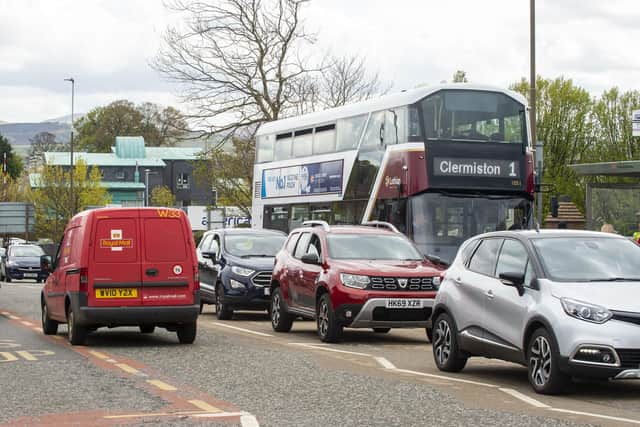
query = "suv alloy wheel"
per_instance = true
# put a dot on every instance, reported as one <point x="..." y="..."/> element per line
<point x="542" y="356"/>
<point x="328" y="328"/>
<point x="445" y="345"/>
<point x="223" y="311"/>
<point x="281" y="320"/>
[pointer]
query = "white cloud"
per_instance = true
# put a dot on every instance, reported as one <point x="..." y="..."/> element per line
<point x="107" y="45"/>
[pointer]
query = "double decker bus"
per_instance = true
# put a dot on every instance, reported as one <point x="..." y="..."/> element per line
<point x="441" y="163"/>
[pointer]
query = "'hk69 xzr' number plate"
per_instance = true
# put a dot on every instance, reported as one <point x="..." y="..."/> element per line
<point x="404" y="303"/>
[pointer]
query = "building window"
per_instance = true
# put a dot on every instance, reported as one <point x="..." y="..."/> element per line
<point x="120" y="174"/>
<point x="183" y="181"/>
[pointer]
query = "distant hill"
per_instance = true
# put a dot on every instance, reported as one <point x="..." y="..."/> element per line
<point x="21" y="133"/>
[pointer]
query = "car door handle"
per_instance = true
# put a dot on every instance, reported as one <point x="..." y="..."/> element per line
<point x="151" y="272"/>
<point x="489" y="294"/>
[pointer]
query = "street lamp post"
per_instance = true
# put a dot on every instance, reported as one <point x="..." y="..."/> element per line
<point x="147" y="172"/>
<point x="71" y="195"/>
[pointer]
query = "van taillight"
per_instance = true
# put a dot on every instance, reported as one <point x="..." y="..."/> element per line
<point x="196" y="278"/>
<point x="84" y="279"/>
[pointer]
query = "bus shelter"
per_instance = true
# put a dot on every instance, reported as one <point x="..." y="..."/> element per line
<point x="612" y="194"/>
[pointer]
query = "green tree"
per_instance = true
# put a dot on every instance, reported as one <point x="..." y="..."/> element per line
<point x="14" y="164"/>
<point x="42" y="143"/>
<point x="162" y="196"/>
<point x="565" y="127"/>
<point x="51" y="197"/>
<point x="14" y="189"/>
<point x="613" y="140"/>
<point x="97" y="130"/>
<point x="230" y="173"/>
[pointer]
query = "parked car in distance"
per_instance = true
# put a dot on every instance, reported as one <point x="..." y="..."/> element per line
<point x="351" y="276"/>
<point x="563" y="303"/>
<point x="124" y="267"/>
<point x="23" y="261"/>
<point x="235" y="266"/>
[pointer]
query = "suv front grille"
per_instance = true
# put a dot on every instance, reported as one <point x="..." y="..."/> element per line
<point x="398" y="284"/>
<point x="262" y="279"/>
<point x="628" y="317"/>
<point x="629" y="358"/>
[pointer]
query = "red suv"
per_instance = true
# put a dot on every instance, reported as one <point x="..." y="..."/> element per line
<point x="352" y="276"/>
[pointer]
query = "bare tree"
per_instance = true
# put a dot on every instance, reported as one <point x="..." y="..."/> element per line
<point x="238" y="61"/>
<point x="346" y="80"/>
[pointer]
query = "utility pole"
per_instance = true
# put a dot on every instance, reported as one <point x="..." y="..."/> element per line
<point x="532" y="105"/>
<point x="72" y="200"/>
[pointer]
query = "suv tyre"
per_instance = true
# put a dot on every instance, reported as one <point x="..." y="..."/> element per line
<point x="223" y="311"/>
<point x="446" y="353"/>
<point x="281" y="320"/>
<point x="543" y="369"/>
<point x="328" y="328"/>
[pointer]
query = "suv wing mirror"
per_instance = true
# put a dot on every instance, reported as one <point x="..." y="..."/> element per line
<point x="310" y="258"/>
<point x="515" y="280"/>
<point x="209" y="255"/>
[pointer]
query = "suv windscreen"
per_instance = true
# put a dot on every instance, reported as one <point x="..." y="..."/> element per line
<point x="248" y="245"/>
<point x="371" y="246"/>
<point x="589" y="259"/>
<point x="26" y="251"/>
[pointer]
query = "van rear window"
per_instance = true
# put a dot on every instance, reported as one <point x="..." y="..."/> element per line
<point x="116" y="240"/>
<point x="164" y="239"/>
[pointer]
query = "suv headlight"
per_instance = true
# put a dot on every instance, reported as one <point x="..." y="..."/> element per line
<point x="354" y="280"/>
<point x="241" y="271"/>
<point x="585" y="311"/>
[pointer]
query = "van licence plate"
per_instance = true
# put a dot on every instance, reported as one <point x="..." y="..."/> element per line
<point x="117" y="293"/>
<point x="404" y="303"/>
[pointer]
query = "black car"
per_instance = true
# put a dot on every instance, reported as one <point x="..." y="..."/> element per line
<point x="235" y="267"/>
<point x="23" y="261"/>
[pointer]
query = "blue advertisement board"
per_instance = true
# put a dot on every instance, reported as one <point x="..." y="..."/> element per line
<point x="303" y="180"/>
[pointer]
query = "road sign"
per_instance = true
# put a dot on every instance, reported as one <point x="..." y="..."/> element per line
<point x="635" y="122"/>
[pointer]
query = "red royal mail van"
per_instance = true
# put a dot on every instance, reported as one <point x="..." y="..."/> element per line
<point x="124" y="267"/>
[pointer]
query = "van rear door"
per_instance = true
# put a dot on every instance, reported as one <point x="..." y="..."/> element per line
<point x="114" y="261"/>
<point x="167" y="258"/>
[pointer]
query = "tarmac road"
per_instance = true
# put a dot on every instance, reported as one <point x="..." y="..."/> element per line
<point x="240" y="372"/>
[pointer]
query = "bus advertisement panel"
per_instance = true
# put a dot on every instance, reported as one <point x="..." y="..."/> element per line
<point x="303" y="180"/>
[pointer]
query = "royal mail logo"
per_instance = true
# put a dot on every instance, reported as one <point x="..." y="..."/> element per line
<point x="119" y="243"/>
<point x="116" y="242"/>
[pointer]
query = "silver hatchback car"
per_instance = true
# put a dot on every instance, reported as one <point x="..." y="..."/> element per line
<point x="563" y="303"/>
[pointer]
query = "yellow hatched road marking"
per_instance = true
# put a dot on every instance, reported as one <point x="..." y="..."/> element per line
<point x="24" y="322"/>
<point x="204" y="406"/>
<point x="162" y="385"/>
<point x="26" y="355"/>
<point x="127" y="368"/>
<point x="14" y="317"/>
<point x="99" y="355"/>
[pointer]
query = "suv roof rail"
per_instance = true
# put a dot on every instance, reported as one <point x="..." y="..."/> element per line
<point x="317" y="223"/>
<point x="381" y="224"/>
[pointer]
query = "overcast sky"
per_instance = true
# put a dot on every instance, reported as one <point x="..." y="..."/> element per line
<point x="106" y="45"/>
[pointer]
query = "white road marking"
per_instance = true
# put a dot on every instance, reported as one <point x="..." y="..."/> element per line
<point x="385" y="363"/>
<point x="248" y="420"/>
<point x="249" y="331"/>
<point x="6" y="313"/>
<point x="24" y="322"/>
<point x="314" y="346"/>
<point x="11" y="316"/>
<point x="589" y="414"/>
<point x="218" y="415"/>
<point x="531" y="401"/>
<point x="443" y="377"/>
